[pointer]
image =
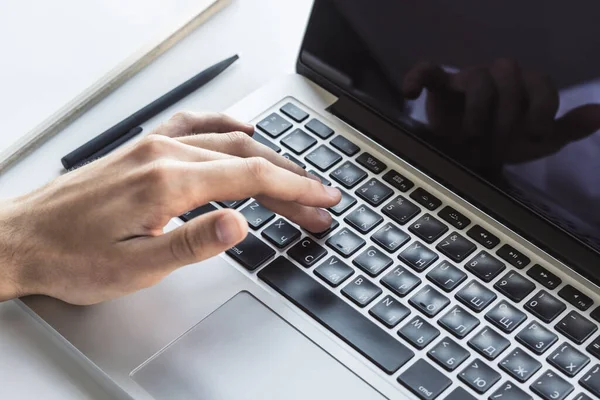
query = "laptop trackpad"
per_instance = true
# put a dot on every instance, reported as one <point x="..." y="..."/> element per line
<point x="244" y="350"/>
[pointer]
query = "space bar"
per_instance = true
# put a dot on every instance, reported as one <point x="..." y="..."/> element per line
<point x="336" y="315"/>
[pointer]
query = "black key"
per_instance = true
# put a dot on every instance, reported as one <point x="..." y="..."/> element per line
<point x="400" y="281"/>
<point x="460" y="394"/>
<point x="458" y="322"/>
<point x="545" y="306"/>
<point x="232" y="203"/>
<point x="336" y="315"/>
<point x="323" y="157"/>
<point x="419" y="332"/>
<point x="374" y="192"/>
<point x="319" y="128"/>
<point x="489" y="343"/>
<point x="448" y="354"/>
<point x="456" y="247"/>
<point x="513" y="256"/>
<point x="348" y="175"/>
<point x="596" y="314"/>
<point x="345" y="146"/>
<point x="294" y="112"/>
<point x="544" y="277"/>
<point x="520" y="365"/>
<point x="591" y="381"/>
<point x="454" y="218"/>
<point x="594" y="348"/>
<point x="509" y="391"/>
<point x="568" y="360"/>
<point x="324" y="181"/>
<point x="446" y="276"/>
<point x="257" y="215"/>
<point x="576" y="328"/>
<point x="424" y="381"/>
<point x="345" y="242"/>
<point x="307" y="252"/>
<point x="536" y="338"/>
<point x="485" y="266"/>
<point x="251" y="252"/>
<point x="294" y="160"/>
<point x="550" y="386"/>
<point x="583" y="396"/>
<point x="417" y="256"/>
<point x="389" y="311"/>
<point x="371" y="163"/>
<point x="281" y="233"/>
<point x="429" y="301"/>
<point x="390" y="237"/>
<point x="345" y="203"/>
<point x="263" y="140"/>
<point x="361" y="291"/>
<point x="372" y="261"/>
<point x="479" y="377"/>
<point x="322" y="234"/>
<point x="401" y="210"/>
<point x="575" y="297"/>
<point x="363" y="219"/>
<point x="505" y="316"/>
<point x="333" y="271"/>
<point x="274" y="125"/>
<point x="475" y="296"/>
<point x="205" y="209"/>
<point x="428" y="228"/>
<point x="514" y="286"/>
<point x="425" y="199"/>
<point x="298" y="141"/>
<point x="483" y="237"/>
<point x="398" y="181"/>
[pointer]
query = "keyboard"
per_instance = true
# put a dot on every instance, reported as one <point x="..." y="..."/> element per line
<point x="437" y="300"/>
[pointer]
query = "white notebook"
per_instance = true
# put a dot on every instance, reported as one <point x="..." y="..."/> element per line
<point x="53" y="51"/>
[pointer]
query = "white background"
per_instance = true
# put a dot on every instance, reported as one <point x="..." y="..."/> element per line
<point x="50" y="51"/>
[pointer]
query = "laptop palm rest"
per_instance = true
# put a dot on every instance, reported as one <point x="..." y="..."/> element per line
<point x="243" y="350"/>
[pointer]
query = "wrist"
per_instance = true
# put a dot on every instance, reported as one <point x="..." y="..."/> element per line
<point x="10" y="285"/>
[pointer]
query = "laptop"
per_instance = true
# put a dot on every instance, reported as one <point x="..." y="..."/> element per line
<point x="462" y="261"/>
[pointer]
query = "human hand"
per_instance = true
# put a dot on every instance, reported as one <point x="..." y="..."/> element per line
<point x="96" y="233"/>
<point x="487" y="116"/>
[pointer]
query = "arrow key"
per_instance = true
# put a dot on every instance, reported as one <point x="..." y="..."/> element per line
<point x="448" y="354"/>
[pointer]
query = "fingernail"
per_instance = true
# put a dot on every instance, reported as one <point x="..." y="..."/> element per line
<point x="249" y="126"/>
<point x="324" y="214"/>
<point x="332" y="192"/>
<point x="228" y="230"/>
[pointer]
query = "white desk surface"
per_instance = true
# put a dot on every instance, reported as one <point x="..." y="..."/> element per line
<point x="266" y="34"/>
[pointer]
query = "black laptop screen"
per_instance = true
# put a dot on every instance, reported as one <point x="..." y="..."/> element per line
<point x="508" y="89"/>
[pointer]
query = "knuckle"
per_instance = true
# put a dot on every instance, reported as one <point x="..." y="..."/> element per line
<point x="239" y="140"/>
<point x="507" y="65"/>
<point x="185" y="247"/>
<point x="183" y="118"/>
<point x="257" y="167"/>
<point x="159" y="173"/>
<point x="153" y="146"/>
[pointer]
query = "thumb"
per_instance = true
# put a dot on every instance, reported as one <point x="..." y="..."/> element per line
<point x="197" y="240"/>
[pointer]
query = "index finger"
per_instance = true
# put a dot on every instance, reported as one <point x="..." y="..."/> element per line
<point x="189" y="123"/>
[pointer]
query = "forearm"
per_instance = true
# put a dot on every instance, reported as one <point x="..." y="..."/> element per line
<point x="9" y="269"/>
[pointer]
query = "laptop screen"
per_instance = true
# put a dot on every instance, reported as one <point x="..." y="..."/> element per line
<point x="509" y="90"/>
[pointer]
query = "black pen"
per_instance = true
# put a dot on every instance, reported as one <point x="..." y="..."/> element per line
<point x="107" y="149"/>
<point x="86" y="151"/>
